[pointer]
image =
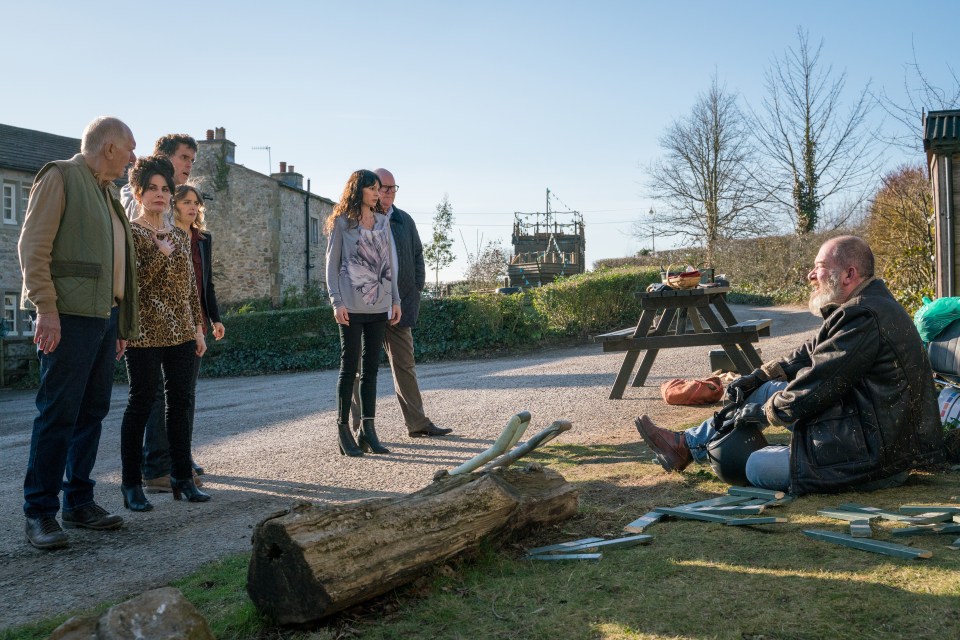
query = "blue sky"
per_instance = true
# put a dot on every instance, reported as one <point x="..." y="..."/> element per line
<point x="490" y="102"/>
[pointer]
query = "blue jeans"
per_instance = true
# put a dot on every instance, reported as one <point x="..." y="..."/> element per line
<point x="76" y="381"/>
<point x="769" y="468"/>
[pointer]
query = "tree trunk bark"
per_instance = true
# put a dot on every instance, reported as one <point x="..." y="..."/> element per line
<point x="314" y="560"/>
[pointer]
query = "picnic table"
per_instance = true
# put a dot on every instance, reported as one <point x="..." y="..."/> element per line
<point x="683" y="318"/>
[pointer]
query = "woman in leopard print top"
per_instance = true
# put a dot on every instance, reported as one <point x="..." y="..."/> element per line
<point x="171" y="335"/>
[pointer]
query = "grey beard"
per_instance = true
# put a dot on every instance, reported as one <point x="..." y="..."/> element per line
<point x="826" y="292"/>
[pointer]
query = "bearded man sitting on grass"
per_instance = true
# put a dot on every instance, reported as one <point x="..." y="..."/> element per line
<point x="858" y="398"/>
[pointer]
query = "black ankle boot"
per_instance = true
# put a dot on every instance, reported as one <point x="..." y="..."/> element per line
<point x="367" y="438"/>
<point x="188" y="489"/>
<point x="348" y="446"/>
<point x="134" y="499"/>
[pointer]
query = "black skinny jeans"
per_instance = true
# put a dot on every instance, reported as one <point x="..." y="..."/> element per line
<point x="361" y="342"/>
<point x="145" y="368"/>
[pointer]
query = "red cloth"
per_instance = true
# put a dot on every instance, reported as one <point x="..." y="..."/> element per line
<point x="691" y="392"/>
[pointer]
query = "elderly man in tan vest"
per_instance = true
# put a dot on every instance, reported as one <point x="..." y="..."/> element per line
<point x="79" y="273"/>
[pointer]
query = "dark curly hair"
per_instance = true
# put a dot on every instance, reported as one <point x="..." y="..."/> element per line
<point x="168" y="144"/>
<point x="147" y="167"/>
<point x="351" y="200"/>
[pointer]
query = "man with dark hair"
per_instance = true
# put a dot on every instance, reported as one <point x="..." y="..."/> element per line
<point x="858" y="398"/>
<point x="398" y="341"/>
<point x="79" y="273"/>
<point x="181" y="150"/>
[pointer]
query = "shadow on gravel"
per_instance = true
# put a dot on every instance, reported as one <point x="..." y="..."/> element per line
<point x="298" y="490"/>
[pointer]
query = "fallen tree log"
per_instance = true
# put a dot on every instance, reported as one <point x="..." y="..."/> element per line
<point x="315" y="560"/>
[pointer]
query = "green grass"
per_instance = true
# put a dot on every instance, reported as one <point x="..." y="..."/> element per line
<point x="696" y="580"/>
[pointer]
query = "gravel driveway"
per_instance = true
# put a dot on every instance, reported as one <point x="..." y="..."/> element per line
<point x="267" y="441"/>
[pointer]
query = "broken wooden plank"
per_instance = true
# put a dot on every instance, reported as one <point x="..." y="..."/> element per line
<point x="592" y="557"/>
<point x="563" y="546"/>
<point x="738" y="522"/>
<point x="733" y="510"/>
<point x="717" y="502"/>
<point x="923" y="508"/>
<point x="932" y="517"/>
<point x="781" y="501"/>
<point x="874" y="546"/>
<point x="644" y="521"/>
<point x="756" y="492"/>
<point x="852" y="516"/>
<point x="861" y="529"/>
<point x="615" y="543"/>
<point x="883" y="513"/>
<point x="926" y="529"/>
<point x="690" y="514"/>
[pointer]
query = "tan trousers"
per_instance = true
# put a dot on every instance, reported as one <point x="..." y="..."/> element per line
<point x="398" y="343"/>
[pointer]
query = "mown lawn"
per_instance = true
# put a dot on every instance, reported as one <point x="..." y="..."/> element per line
<point x="695" y="580"/>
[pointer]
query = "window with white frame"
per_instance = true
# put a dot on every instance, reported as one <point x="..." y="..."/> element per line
<point x="9" y="203"/>
<point x="315" y="230"/>
<point x="24" y="199"/>
<point x="10" y="312"/>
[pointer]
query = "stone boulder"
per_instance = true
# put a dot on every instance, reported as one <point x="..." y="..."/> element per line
<point x="161" y="614"/>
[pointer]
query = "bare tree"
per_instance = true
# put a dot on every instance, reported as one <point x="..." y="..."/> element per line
<point x="487" y="267"/>
<point x="707" y="176"/>
<point x="814" y="147"/>
<point x="920" y="94"/>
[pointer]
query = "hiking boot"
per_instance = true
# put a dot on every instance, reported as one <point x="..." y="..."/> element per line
<point x="44" y="532"/>
<point x="91" y="516"/>
<point x="671" y="448"/>
<point x="157" y="485"/>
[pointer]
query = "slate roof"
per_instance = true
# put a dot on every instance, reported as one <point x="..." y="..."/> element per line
<point x="29" y="150"/>
<point x="941" y="131"/>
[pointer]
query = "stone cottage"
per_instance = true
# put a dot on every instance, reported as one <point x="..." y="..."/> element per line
<point x="267" y="230"/>
<point x="23" y="152"/>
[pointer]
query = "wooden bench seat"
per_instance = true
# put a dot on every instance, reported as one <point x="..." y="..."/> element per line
<point x="761" y="326"/>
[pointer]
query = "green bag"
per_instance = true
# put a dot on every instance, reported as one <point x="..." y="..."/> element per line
<point x="934" y="316"/>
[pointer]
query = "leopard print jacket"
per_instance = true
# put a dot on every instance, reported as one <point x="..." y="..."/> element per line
<point x="169" y="302"/>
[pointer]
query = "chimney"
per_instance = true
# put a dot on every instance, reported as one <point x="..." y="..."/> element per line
<point x="216" y="142"/>
<point x="288" y="176"/>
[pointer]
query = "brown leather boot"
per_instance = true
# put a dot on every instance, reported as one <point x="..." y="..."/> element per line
<point x="671" y="448"/>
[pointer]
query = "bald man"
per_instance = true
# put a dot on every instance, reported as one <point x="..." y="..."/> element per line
<point x="398" y="341"/>
<point x="79" y="273"/>
<point x="858" y="398"/>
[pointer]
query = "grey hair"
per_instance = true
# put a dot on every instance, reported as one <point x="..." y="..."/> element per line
<point x="851" y="251"/>
<point x="100" y="132"/>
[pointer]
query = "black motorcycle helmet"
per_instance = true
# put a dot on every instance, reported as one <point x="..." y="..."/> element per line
<point x="735" y="440"/>
<point x="728" y="453"/>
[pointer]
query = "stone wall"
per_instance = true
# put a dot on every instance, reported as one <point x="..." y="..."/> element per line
<point x="258" y="226"/>
<point x="11" y="280"/>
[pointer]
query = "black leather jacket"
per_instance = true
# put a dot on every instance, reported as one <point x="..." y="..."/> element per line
<point x="861" y="397"/>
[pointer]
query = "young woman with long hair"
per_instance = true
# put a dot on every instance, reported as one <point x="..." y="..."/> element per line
<point x="361" y="279"/>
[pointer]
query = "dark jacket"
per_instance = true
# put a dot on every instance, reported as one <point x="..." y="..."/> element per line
<point x="861" y="397"/>
<point x="208" y="294"/>
<point x="411" y="271"/>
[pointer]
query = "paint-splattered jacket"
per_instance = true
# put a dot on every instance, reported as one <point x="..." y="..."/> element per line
<point x="861" y="398"/>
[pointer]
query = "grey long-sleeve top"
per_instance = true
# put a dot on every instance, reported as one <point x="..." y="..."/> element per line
<point x="361" y="267"/>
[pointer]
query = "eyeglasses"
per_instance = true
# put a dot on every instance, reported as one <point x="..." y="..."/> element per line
<point x="390" y="188"/>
